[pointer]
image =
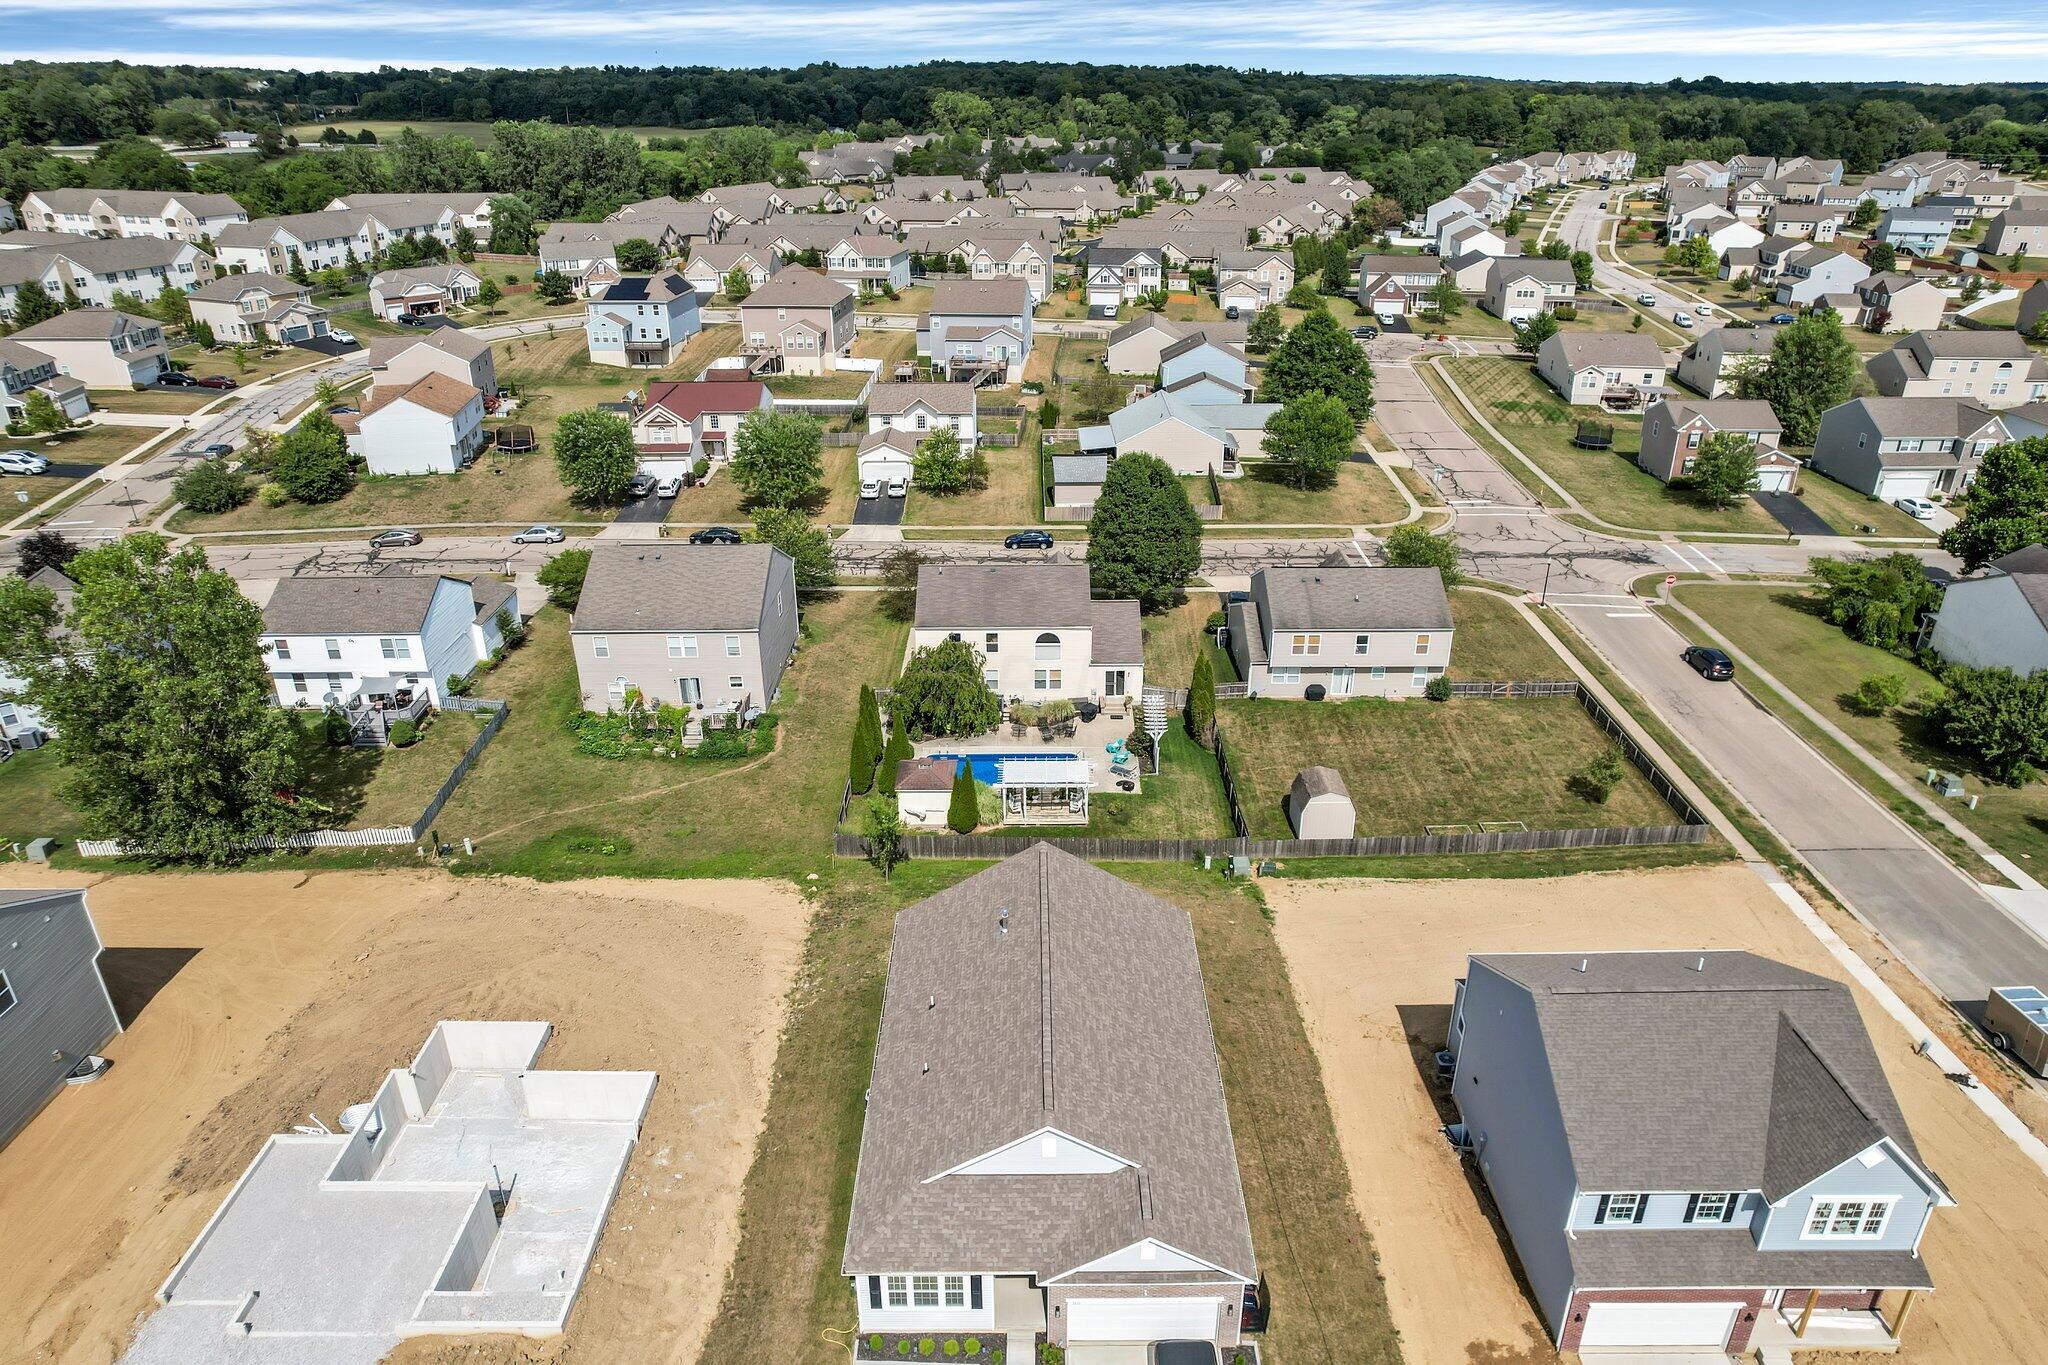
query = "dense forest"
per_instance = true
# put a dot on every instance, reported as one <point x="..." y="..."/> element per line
<point x="1415" y="138"/>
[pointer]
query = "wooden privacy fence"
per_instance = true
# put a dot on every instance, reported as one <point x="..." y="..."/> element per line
<point x="384" y="837"/>
<point x="1566" y="688"/>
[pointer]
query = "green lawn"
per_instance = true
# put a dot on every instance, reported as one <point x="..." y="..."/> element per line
<point x="162" y="401"/>
<point x="1174" y="638"/>
<point x="29" y="805"/>
<point x="1780" y="628"/>
<point x="1360" y="495"/>
<point x="1848" y="511"/>
<point x="254" y="364"/>
<point x="838" y="384"/>
<point x="539" y="808"/>
<point x="1011" y="497"/>
<point x="1531" y="415"/>
<point x="1413" y="764"/>
<point x="1494" y="643"/>
<point x="916" y="299"/>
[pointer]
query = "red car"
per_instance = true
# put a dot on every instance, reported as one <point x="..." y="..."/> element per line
<point x="216" y="381"/>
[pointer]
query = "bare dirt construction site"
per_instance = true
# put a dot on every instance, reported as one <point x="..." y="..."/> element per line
<point x="255" y="999"/>
<point x="1373" y="965"/>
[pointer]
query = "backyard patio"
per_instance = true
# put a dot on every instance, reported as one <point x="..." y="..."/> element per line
<point x="1034" y="753"/>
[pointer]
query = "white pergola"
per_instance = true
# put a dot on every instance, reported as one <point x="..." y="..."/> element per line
<point x="1045" y="790"/>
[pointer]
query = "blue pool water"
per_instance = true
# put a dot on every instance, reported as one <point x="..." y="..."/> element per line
<point x="984" y="766"/>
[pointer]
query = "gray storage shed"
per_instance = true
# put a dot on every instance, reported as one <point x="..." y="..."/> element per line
<point x="1319" y="806"/>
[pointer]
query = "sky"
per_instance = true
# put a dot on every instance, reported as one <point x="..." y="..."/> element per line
<point x="1562" y="39"/>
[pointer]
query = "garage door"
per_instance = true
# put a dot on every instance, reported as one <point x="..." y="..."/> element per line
<point x="884" y="466"/>
<point x="1658" y="1324"/>
<point x="1891" y="487"/>
<point x="1141" y="1319"/>
<point x="1774" y="480"/>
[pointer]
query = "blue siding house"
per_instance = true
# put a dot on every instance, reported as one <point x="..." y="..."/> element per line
<point x="1924" y="230"/>
<point x="1691" y="1151"/>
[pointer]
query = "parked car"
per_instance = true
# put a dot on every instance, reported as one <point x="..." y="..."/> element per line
<point x="22" y="462"/>
<point x="1783" y="319"/>
<point x="640" y="486"/>
<point x="416" y="319"/>
<point x="217" y="450"/>
<point x="1705" y="310"/>
<point x="1682" y="319"/>
<point x="898" y="487"/>
<point x="1918" y="508"/>
<point x="1366" y="333"/>
<point x="176" y="379"/>
<point x="215" y="381"/>
<point x="715" y="535"/>
<point x="1231" y="312"/>
<point x="398" y="535"/>
<point x="870" y="488"/>
<point x="1028" y="540"/>
<point x="1183" y="1353"/>
<point x="540" y="535"/>
<point x="1647" y="299"/>
<point x="342" y="335"/>
<point x="669" y="487"/>
<point x="1710" y="663"/>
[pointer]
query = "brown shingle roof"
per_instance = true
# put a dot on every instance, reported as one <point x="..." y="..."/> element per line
<point x="436" y="392"/>
<point x="793" y="286"/>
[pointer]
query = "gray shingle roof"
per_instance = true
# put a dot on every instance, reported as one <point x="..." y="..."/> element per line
<point x="1083" y="1011"/>
<point x="1746" y="1074"/>
<point x="675" y="587"/>
<point x="1355" y="598"/>
<point x="1319" y="781"/>
<point x="952" y="400"/>
<point x="999" y="298"/>
<point x="1728" y="1258"/>
<point x="394" y="604"/>
<point x="990" y="596"/>
<point x="84" y="324"/>
<point x="1631" y="350"/>
<point x="795" y="287"/>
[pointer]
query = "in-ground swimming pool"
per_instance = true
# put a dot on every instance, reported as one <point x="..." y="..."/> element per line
<point x="985" y="765"/>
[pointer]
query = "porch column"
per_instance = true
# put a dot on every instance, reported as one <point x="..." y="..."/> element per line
<point x="1806" y="1314"/>
<point x="1905" y="1311"/>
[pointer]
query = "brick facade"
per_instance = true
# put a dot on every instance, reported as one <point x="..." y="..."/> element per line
<point x="1738" y="1336"/>
<point x="1058" y="1296"/>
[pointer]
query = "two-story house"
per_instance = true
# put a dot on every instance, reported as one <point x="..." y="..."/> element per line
<point x="1341" y="631"/>
<point x="978" y="328"/>
<point x="1694" y="1151"/>
<point x="102" y="348"/>
<point x="1039" y="632"/>
<point x="1712" y="365"/>
<point x="1520" y="287"/>
<point x="399" y="360"/>
<point x="998" y="249"/>
<point x="175" y="215"/>
<point x="258" y="308"/>
<point x="1253" y="278"/>
<point x="1199" y="430"/>
<point x="2018" y="230"/>
<point x="1138" y="345"/>
<point x="1991" y="369"/>
<point x="1592" y="367"/>
<point x="1921" y="230"/>
<point x="25" y="370"/>
<point x="357" y="642"/>
<point x="1813" y="272"/>
<point x="1046" y="1146"/>
<point x="707" y="628"/>
<point x="1891" y="302"/>
<point x="588" y="253"/>
<point x="1204" y="369"/>
<point x="868" y="263"/>
<point x="434" y="425"/>
<point x="802" y="319"/>
<point x="1997" y="617"/>
<point x="94" y="270"/>
<point x="678" y="424"/>
<point x="642" y="320"/>
<point x="1116" y="275"/>
<point x="1892" y="448"/>
<point x="709" y="267"/>
<point x="901" y="417"/>
<point x="1674" y="430"/>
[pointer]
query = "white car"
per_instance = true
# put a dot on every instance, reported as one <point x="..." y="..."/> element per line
<point x="540" y="535"/>
<point x="342" y="335"/>
<point x="898" y="487"/>
<point x="1920" y="509"/>
<point x="669" y="487"/>
<point x="871" y="488"/>
<point x="1682" y="319"/>
<point x="1705" y="310"/>
<point x="1647" y="299"/>
<point x="22" y="462"/>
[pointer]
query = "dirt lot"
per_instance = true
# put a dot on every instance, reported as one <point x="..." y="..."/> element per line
<point x="1373" y="965"/>
<point x="278" y="994"/>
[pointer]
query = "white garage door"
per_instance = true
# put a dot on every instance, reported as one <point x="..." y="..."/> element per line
<point x="884" y="465"/>
<point x="1892" y="487"/>
<point x="1141" y="1319"/>
<point x="1658" y="1324"/>
<point x="1774" y="480"/>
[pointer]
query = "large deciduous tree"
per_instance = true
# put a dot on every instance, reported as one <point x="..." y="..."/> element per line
<point x="595" y="455"/>
<point x="2006" y="506"/>
<point x="1144" y="539"/>
<point x="941" y="692"/>
<point x="1309" y="439"/>
<point x="1724" y="469"/>
<point x="1318" y="357"/>
<point x="788" y="530"/>
<point x="312" y="462"/>
<point x="1411" y="547"/>
<point x="156" y="685"/>
<point x="1877" y="601"/>
<point x="1812" y="367"/>
<point x="777" y="458"/>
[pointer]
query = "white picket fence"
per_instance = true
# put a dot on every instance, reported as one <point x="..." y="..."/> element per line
<point x="315" y="838"/>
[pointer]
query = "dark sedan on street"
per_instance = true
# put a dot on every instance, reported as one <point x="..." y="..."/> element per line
<point x="715" y="535"/>
<point x="1028" y="540"/>
<point x="1710" y="663"/>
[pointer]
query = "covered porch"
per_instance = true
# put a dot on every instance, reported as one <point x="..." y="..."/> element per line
<point x="1815" y="1320"/>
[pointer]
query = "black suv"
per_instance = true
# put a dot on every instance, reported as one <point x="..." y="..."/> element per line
<point x="1710" y="663"/>
<point x="715" y="535"/>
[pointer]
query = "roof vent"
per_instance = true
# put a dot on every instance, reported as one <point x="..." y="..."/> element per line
<point x="1002" y="920"/>
<point x="1700" y="966"/>
<point x="1583" y="964"/>
<point x="931" y="1002"/>
<point x="924" y="1069"/>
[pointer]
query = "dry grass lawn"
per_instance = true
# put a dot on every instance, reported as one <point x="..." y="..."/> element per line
<point x="282" y="994"/>
<point x="1373" y="965"/>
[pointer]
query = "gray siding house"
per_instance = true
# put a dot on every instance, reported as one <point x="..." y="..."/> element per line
<point x="708" y="628"/>
<point x="1999" y="618"/>
<point x="1892" y="448"/>
<point x="978" y="326"/>
<point x="54" y="1007"/>
<point x="1690" y="1150"/>
<point x="1350" y="631"/>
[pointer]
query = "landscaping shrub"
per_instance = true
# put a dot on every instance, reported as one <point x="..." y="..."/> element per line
<point x="1439" y="688"/>
<point x="963" y="811"/>
<point x="337" y="729"/>
<point x="210" y="487"/>
<point x="1217" y="620"/>
<point x="458" y="685"/>
<point x="1878" y="693"/>
<point x="273" y="495"/>
<point x="1597" y="780"/>
<point x="874" y="1341"/>
<point x="927" y="1346"/>
<point x="903" y="1347"/>
<point x="972" y="1346"/>
<point x="403" y="733"/>
<point x="951" y="1347"/>
<point x="1201" y="706"/>
<point x="867" y="743"/>
<point x="988" y="804"/>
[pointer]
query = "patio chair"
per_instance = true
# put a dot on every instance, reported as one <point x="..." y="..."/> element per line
<point x="1017" y="729"/>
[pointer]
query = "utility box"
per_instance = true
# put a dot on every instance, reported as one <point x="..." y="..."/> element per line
<point x="39" y="850"/>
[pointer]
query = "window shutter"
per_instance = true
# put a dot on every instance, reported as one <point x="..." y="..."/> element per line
<point x="974" y="1291"/>
<point x="1728" y="1213"/>
<point x="1600" y="1214"/>
<point x="1642" y="1207"/>
<point x="1692" y="1204"/>
<point x="874" y="1291"/>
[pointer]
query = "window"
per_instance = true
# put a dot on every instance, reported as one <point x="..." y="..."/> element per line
<point x="924" y="1291"/>
<point x="1362" y="643"/>
<point x="601" y="646"/>
<point x="993" y="678"/>
<point x="6" y="993"/>
<point x="956" y="1291"/>
<point x="735" y="682"/>
<point x="1113" y="683"/>
<point x="990" y="642"/>
<point x="1621" y="1208"/>
<point x="1305" y="644"/>
<point x="732" y="646"/>
<point x="1286" y="675"/>
<point x="1047" y="646"/>
<point x="617" y="690"/>
<point x="1711" y="1208"/>
<point x="394" y="648"/>
<point x="333" y="648"/>
<point x="1045" y="680"/>
<point x="299" y="683"/>
<point x="284" y="649"/>
<point x="1859" y="1219"/>
<point x="1422" y="644"/>
<point x="898" y="1290"/>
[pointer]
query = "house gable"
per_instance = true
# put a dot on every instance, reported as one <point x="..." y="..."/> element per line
<point x="1047" y="1151"/>
<point x="1148" y="1256"/>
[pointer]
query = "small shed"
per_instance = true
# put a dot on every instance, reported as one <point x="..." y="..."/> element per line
<point x="1319" y="806"/>
<point x="924" y="789"/>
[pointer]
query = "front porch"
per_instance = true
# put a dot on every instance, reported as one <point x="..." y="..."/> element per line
<point x="1799" y="1322"/>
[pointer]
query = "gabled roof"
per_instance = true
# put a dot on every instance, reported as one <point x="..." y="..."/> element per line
<point x="795" y="287"/>
<point x="434" y="391"/>
<point x="996" y="298"/>
<point x="394" y="604"/>
<point x="454" y="340"/>
<point x="1353" y="598"/>
<point x="994" y="596"/>
<point x="1045" y="994"/>
<point x="1724" y="414"/>
<point x="676" y="587"/>
<point x="85" y="324"/>
<point x="1581" y="350"/>
<point x="689" y="400"/>
<point x="227" y="288"/>
<point x="949" y="400"/>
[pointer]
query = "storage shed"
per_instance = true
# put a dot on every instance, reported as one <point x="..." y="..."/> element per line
<point x="1319" y="806"/>
<point x="924" y="790"/>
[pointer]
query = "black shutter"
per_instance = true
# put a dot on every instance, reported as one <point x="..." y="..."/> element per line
<point x="1728" y="1213"/>
<point x="974" y="1291"/>
<point x="1600" y="1214"/>
<point x="874" y="1291"/>
<point x="1692" y="1204"/>
<point x="1642" y="1207"/>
